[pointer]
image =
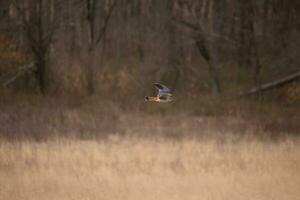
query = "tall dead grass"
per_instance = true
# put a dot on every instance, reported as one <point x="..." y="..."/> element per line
<point x="98" y="149"/>
<point x="130" y="167"/>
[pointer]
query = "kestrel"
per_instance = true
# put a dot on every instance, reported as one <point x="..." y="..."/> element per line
<point x="164" y="94"/>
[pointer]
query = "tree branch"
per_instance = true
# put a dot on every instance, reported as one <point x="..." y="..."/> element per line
<point x="194" y="27"/>
<point x="105" y="23"/>
<point x="21" y="70"/>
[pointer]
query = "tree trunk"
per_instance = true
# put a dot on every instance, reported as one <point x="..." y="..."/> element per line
<point x="214" y="77"/>
<point x="208" y="53"/>
<point x="40" y="49"/>
<point x="90" y="73"/>
<point x="41" y="74"/>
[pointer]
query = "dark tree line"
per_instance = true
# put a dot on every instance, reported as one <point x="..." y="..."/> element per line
<point x="95" y="46"/>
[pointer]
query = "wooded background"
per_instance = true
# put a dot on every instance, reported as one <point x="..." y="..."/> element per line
<point x="120" y="47"/>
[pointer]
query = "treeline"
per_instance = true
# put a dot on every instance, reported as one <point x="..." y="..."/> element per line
<point x="121" y="46"/>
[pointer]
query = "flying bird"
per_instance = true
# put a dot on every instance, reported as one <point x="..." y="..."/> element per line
<point x="164" y="94"/>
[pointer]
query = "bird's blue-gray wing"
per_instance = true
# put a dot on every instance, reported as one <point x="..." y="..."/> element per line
<point x="162" y="89"/>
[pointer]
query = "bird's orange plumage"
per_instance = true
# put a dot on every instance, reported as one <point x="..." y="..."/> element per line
<point x="151" y="98"/>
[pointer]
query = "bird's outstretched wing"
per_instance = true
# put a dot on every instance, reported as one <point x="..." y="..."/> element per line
<point x="162" y="89"/>
<point x="165" y="97"/>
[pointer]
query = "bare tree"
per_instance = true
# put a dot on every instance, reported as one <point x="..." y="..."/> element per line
<point x="39" y="20"/>
<point x="98" y="16"/>
<point x="198" y="16"/>
<point x="244" y="36"/>
<point x="248" y="47"/>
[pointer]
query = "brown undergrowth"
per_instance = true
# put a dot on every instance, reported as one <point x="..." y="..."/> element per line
<point x="41" y="118"/>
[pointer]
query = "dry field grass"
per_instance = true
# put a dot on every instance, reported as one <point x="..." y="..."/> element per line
<point x="132" y="167"/>
<point x="92" y="149"/>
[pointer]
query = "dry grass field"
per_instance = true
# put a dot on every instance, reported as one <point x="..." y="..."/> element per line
<point x="131" y="167"/>
<point x="90" y="150"/>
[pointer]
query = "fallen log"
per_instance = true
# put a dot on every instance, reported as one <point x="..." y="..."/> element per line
<point x="273" y="84"/>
